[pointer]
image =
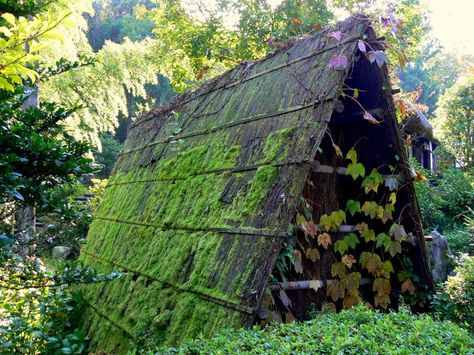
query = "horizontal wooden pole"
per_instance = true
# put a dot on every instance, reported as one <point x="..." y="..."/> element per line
<point x="308" y="284"/>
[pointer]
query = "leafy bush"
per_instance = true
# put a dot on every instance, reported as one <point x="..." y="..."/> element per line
<point x="459" y="239"/>
<point x="455" y="300"/>
<point x="359" y="330"/>
<point x="444" y="196"/>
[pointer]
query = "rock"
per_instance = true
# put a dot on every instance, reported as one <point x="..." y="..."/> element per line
<point x="62" y="252"/>
<point x="440" y="256"/>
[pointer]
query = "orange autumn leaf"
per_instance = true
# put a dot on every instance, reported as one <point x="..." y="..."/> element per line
<point x="408" y="285"/>
<point x="317" y="26"/>
<point x="297" y="22"/>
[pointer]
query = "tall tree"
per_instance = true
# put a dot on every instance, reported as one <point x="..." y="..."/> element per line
<point x="454" y="120"/>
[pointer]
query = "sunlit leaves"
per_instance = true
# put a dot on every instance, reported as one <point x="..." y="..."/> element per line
<point x="354" y="168"/>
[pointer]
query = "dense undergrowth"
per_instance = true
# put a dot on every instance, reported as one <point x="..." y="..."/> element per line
<point x="356" y="331"/>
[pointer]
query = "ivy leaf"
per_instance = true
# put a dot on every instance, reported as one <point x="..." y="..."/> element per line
<point x="352" y="155"/>
<point x="297" y="263"/>
<point x="353" y="207"/>
<point x="388" y="266"/>
<point x="313" y="254"/>
<point x="315" y="285"/>
<point x="337" y="217"/>
<point x="383" y="240"/>
<point x="338" y="269"/>
<point x="391" y="183"/>
<point x="355" y="170"/>
<point x="348" y="260"/>
<point x="395" y="248"/>
<point x="350" y="301"/>
<point x="408" y="285"/>
<point x="379" y="57"/>
<point x="351" y="283"/>
<point x="382" y="301"/>
<point x="372" y="182"/>
<point x="328" y="307"/>
<point x="370" y="208"/>
<point x="398" y="232"/>
<point x="324" y="240"/>
<point x="300" y="220"/>
<point x="371" y="119"/>
<point x="335" y="290"/>
<point x="393" y="198"/>
<point x="373" y="263"/>
<point x="356" y="93"/>
<point x="311" y="228"/>
<point x="352" y="240"/>
<point x="341" y="246"/>
<point x="381" y="286"/>
<point x="368" y="235"/>
<point x="338" y="62"/>
<point x="361" y="45"/>
<point x="361" y="227"/>
<point x="325" y="222"/>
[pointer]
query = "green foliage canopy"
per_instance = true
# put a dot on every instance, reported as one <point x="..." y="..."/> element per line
<point x="454" y="121"/>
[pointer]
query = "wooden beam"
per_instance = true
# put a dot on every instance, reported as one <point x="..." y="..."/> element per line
<point x="317" y="167"/>
<point x="308" y="284"/>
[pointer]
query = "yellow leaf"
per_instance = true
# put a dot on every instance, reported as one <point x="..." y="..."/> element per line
<point x="9" y="18"/>
<point x="324" y="240"/>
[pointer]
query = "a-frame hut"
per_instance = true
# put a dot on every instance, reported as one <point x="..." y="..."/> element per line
<point x="219" y="201"/>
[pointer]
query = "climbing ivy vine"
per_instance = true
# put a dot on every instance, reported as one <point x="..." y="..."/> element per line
<point x="379" y="237"/>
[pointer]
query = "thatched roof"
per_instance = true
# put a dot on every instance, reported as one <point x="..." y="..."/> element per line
<point x="202" y="195"/>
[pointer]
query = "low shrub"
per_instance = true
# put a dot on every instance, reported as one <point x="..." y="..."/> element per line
<point x="455" y="299"/>
<point x="355" y="331"/>
<point x="459" y="239"/>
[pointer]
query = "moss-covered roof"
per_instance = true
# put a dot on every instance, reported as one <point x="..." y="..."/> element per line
<point x="202" y="195"/>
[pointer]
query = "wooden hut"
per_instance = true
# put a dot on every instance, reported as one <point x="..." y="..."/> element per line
<point x="233" y="204"/>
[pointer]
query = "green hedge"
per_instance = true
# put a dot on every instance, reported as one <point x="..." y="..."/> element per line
<point x="356" y="331"/>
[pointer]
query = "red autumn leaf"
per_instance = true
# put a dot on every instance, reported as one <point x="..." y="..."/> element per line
<point x="311" y="228"/>
<point x="371" y="119"/>
<point x="338" y="62"/>
<point x="317" y="26"/>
